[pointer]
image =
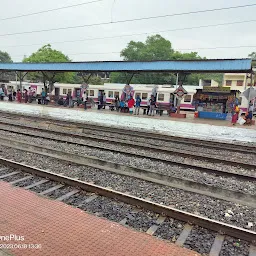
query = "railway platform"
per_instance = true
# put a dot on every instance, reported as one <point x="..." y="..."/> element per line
<point x="189" y="115"/>
<point x="53" y="228"/>
<point x="189" y="127"/>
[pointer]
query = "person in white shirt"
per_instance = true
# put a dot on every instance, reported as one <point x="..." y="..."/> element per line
<point x="85" y="100"/>
<point x="104" y="100"/>
<point x="251" y="107"/>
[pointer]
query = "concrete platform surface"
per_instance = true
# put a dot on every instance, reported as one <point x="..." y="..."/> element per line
<point x="59" y="229"/>
<point x="185" y="127"/>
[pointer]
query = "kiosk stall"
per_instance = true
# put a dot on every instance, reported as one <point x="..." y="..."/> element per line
<point x="215" y="102"/>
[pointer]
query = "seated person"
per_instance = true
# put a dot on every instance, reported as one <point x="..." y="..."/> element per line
<point x="122" y="105"/>
<point x="173" y="109"/>
<point x="60" y="101"/>
<point x="112" y="105"/>
<point x="248" y="117"/>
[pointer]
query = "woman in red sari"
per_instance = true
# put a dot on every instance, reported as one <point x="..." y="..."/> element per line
<point x="19" y="96"/>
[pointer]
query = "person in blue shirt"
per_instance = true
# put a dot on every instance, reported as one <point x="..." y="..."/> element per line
<point x="173" y="109"/>
<point x="137" y="105"/>
<point x="122" y="105"/>
<point x="43" y="94"/>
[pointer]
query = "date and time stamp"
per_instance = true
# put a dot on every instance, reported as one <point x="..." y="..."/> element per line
<point x="13" y="241"/>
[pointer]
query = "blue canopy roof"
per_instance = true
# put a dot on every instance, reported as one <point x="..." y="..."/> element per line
<point x="217" y="66"/>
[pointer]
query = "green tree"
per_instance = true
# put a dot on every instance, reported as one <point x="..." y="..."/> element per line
<point x="92" y="80"/>
<point x="155" y="48"/>
<point x="6" y="76"/>
<point x="253" y="57"/>
<point x="5" y="57"/>
<point x="47" y="55"/>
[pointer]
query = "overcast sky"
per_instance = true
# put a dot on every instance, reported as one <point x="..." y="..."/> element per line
<point x="230" y="35"/>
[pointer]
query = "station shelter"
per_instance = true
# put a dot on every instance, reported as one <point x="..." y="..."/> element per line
<point x="215" y="102"/>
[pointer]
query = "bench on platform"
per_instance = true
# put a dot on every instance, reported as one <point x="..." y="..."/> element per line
<point x="111" y="107"/>
<point x="162" y="107"/>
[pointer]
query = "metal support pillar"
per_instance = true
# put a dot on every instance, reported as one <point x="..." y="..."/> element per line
<point x="86" y="79"/>
<point x="130" y="78"/>
<point x="21" y="77"/>
<point x="249" y="99"/>
<point x="50" y="79"/>
<point x="177" y="83"/>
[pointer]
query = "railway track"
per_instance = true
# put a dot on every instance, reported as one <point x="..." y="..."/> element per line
<point x="141" y="146"/>
<point x="142" y="134"/>
<point x="204" y="235"/>
<point x="140" y="173"/>
<point x="150" y="175"/>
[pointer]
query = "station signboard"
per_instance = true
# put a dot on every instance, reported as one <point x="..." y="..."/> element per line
<point x="180" y="91"/>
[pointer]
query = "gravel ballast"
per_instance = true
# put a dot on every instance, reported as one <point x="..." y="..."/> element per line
<point x="238" y="215"/>
<point x="234" y="247"/>
<point x="37" y="121"/>
<point x="170" y="229"/>
<point x="229" y="183"/>
<point x="200" y="240"/>
<point x="201" y="148"/>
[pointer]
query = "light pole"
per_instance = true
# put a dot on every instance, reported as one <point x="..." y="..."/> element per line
<point x="177" y="82"/>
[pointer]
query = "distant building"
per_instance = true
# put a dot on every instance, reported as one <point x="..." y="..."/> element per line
<point x="212" y="83"/>
<point x="236" y="81"/>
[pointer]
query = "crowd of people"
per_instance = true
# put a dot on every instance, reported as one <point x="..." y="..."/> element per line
<point x="130" y="105"/>
<point x="245" y="118"/>
<point x="28" y="95"/>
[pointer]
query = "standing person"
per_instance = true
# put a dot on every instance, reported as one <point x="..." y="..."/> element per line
<point x="251" y="108"/>
<point x="148" y="105"/>
<point x="1" y="93"/>
<point x="249" y="114"/>
<point x="130" y="103"/>
<point x="117" y="103"/>
<point x="122" y="106"/>
<point x="100" y="105"/>
<point x="43" y="95"/>
<point x="235" y="114"/>
<point x="47" y="99"/>
<point x="19" y="96"/>
<point x="137" y="105"/>
<point x="152" y="105"/>
<point x="26" y="95"/>
<point x="14" y="95"/>
<point x="84" y="97"/>
<point x="104" y="100"/>
<point x="70" y="105"/>
<point x="10" y="94"/>
<point x="29" y="95"/>
<point x="66" y="102"/>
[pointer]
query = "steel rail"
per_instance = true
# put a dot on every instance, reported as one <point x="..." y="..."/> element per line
<point x="214" y="225"/>
<point x="138" y="173"/>
<point x="146" y="134"/>
<point x="167" y="161"/>
<point x="143" y="147"/>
